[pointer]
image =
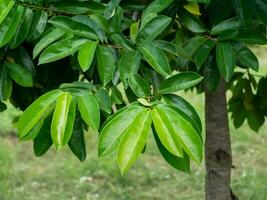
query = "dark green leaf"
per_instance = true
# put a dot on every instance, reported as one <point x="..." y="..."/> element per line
<point x="20" y="75"/>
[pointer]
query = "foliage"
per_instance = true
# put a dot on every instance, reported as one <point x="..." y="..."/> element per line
<point x="117" y="64"/>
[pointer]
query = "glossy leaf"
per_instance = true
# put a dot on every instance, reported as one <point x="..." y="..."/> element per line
<point x="104" y="100"/>
<point x="9" y="25"/>
<point x="129" y="64"/>
<point x="86" y="54"/>
<point x="38" y="25"/>
<point x="232" y="23"/>
<point x="20" y="75"/>
<point x="139" y="86"/>
<point x="5" y="7"/>
<point x="244" y="9"/>
<point x="156" y="58"/>
<point x="61" y="49"/>
<point x="74" y="27"/>
<point x="226" y="59"/>
<point x="114" y="127"/>
<point x="60" y="119"/>
<point x="133" y="141"/>
<point x="5" y="83"/>
<point x="156" y="7"/>
<point x="41" y="109"/>
<point x="181" y="81"/>
<point x="89" y="110"/>
<point x="152" y="29"/>
<point x="105" y="63"/>
<point x="53" y="35"/>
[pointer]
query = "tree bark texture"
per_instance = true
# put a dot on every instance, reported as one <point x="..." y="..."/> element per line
<point x="218" y="156"/>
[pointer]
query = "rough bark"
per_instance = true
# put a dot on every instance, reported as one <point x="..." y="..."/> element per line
<point x="218" y="146"/>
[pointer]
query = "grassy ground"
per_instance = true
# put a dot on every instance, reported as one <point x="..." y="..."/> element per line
<point x="59" y="176"/>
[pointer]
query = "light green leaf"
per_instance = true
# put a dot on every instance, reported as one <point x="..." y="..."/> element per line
<point x="5" y="7"/>
<point x="133" y="141"/>
<point x="139" y="86"/>
<point x="114" y="127"/>
<point x="86" y="54"/>
<point x="106" y="64"/>
<point x="37" y="111"/>
<point x="38" y="25"/>
<point x="156" y="6"/>
<point x="60" y="119"/>
<point x="156" y="59"/>
<point x="89" y="110"/>
<point x="104" y="100"/>
<point x="181" y="81"/>
<point x="61" y="49"/>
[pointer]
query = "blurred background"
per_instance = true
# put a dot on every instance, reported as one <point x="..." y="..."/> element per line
<point x="60" y="176"/>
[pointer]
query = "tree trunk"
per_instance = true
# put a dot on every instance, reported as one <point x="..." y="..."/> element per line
<point x="218" y="146"/>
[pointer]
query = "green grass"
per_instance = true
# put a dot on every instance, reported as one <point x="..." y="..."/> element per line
<point x="60" y="176"/>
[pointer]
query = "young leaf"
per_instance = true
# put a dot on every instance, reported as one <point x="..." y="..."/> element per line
<point x="226" y="59"/>
<point x="156" y="59"/>
<point x="60" y="119"/>
<point x="139" y="86"/>
<point x="181" y="81"/>
<point x="114" y="127"/>
<point x="20" y="75"/>
<point x="105" y="63"/>
<point x="152" y="29"/>
<point x="166" y="132"/>
<point x="41" y="108"/>
<point x="61" y="49"/>
<point x="133" y="141"/>
<point x="76" y="142"/>
<point x="184" y="132"/>
<point x="89" y="110"/>
<point x="86" y="54"/>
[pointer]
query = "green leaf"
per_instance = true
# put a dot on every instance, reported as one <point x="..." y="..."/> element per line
<point x="191" y="22"/>
<point x="212" y="74"/>
<point x="103" y="100"/>
<point x="75" y="27"/>
<point x="166" y="132"/>
<point x="156" y="58"/>
<point x="3" y="106"/>
<point x="181" y="81"/>
<point x="43" y="141"/>
<point x="77" y="142"/>
<point x="184" y="132"/>
<point x="252" y="37"/>
<point x="152" y="29"/>
<point x="133" y="141"/>
<point x="114" y="127"/>
<point x="167" y="46"/>
<point x="23" y="29"/>
<point x="20" y="75"/>
<point x="255" y="120"/>
<point x="60" y="119"/>
<point x="38" y="25"/>
<point x="129" y="64"/>
<point x="203" y="52"/>
<point x="226" y="59"/>
<point x="115" y="95"/>
<point x="5" y="83"/>
<point x="37" y="111"/>
<point x="53" y="35"/>
<point x="86" y="54"/>
<point x="156" y="6"/>
<point x="61" y="49"/>
<point x="185" y="107"/>
<point x="182" y="164"/>
<point x="5" y="7"/>
<point x="89" y="110"/>
<point x="200" y="1"/>
<point x="244" y="9"/>
<point x="9" y="25"/>
<point x="74" y="8"/>
<point x="261" y="9"/>
<point x="134" y="29"/>
<point x="139" y="86"/>
<point x="246" y="57"/>
<point x="106" y="64"/>
<point x="232" y="23"/>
